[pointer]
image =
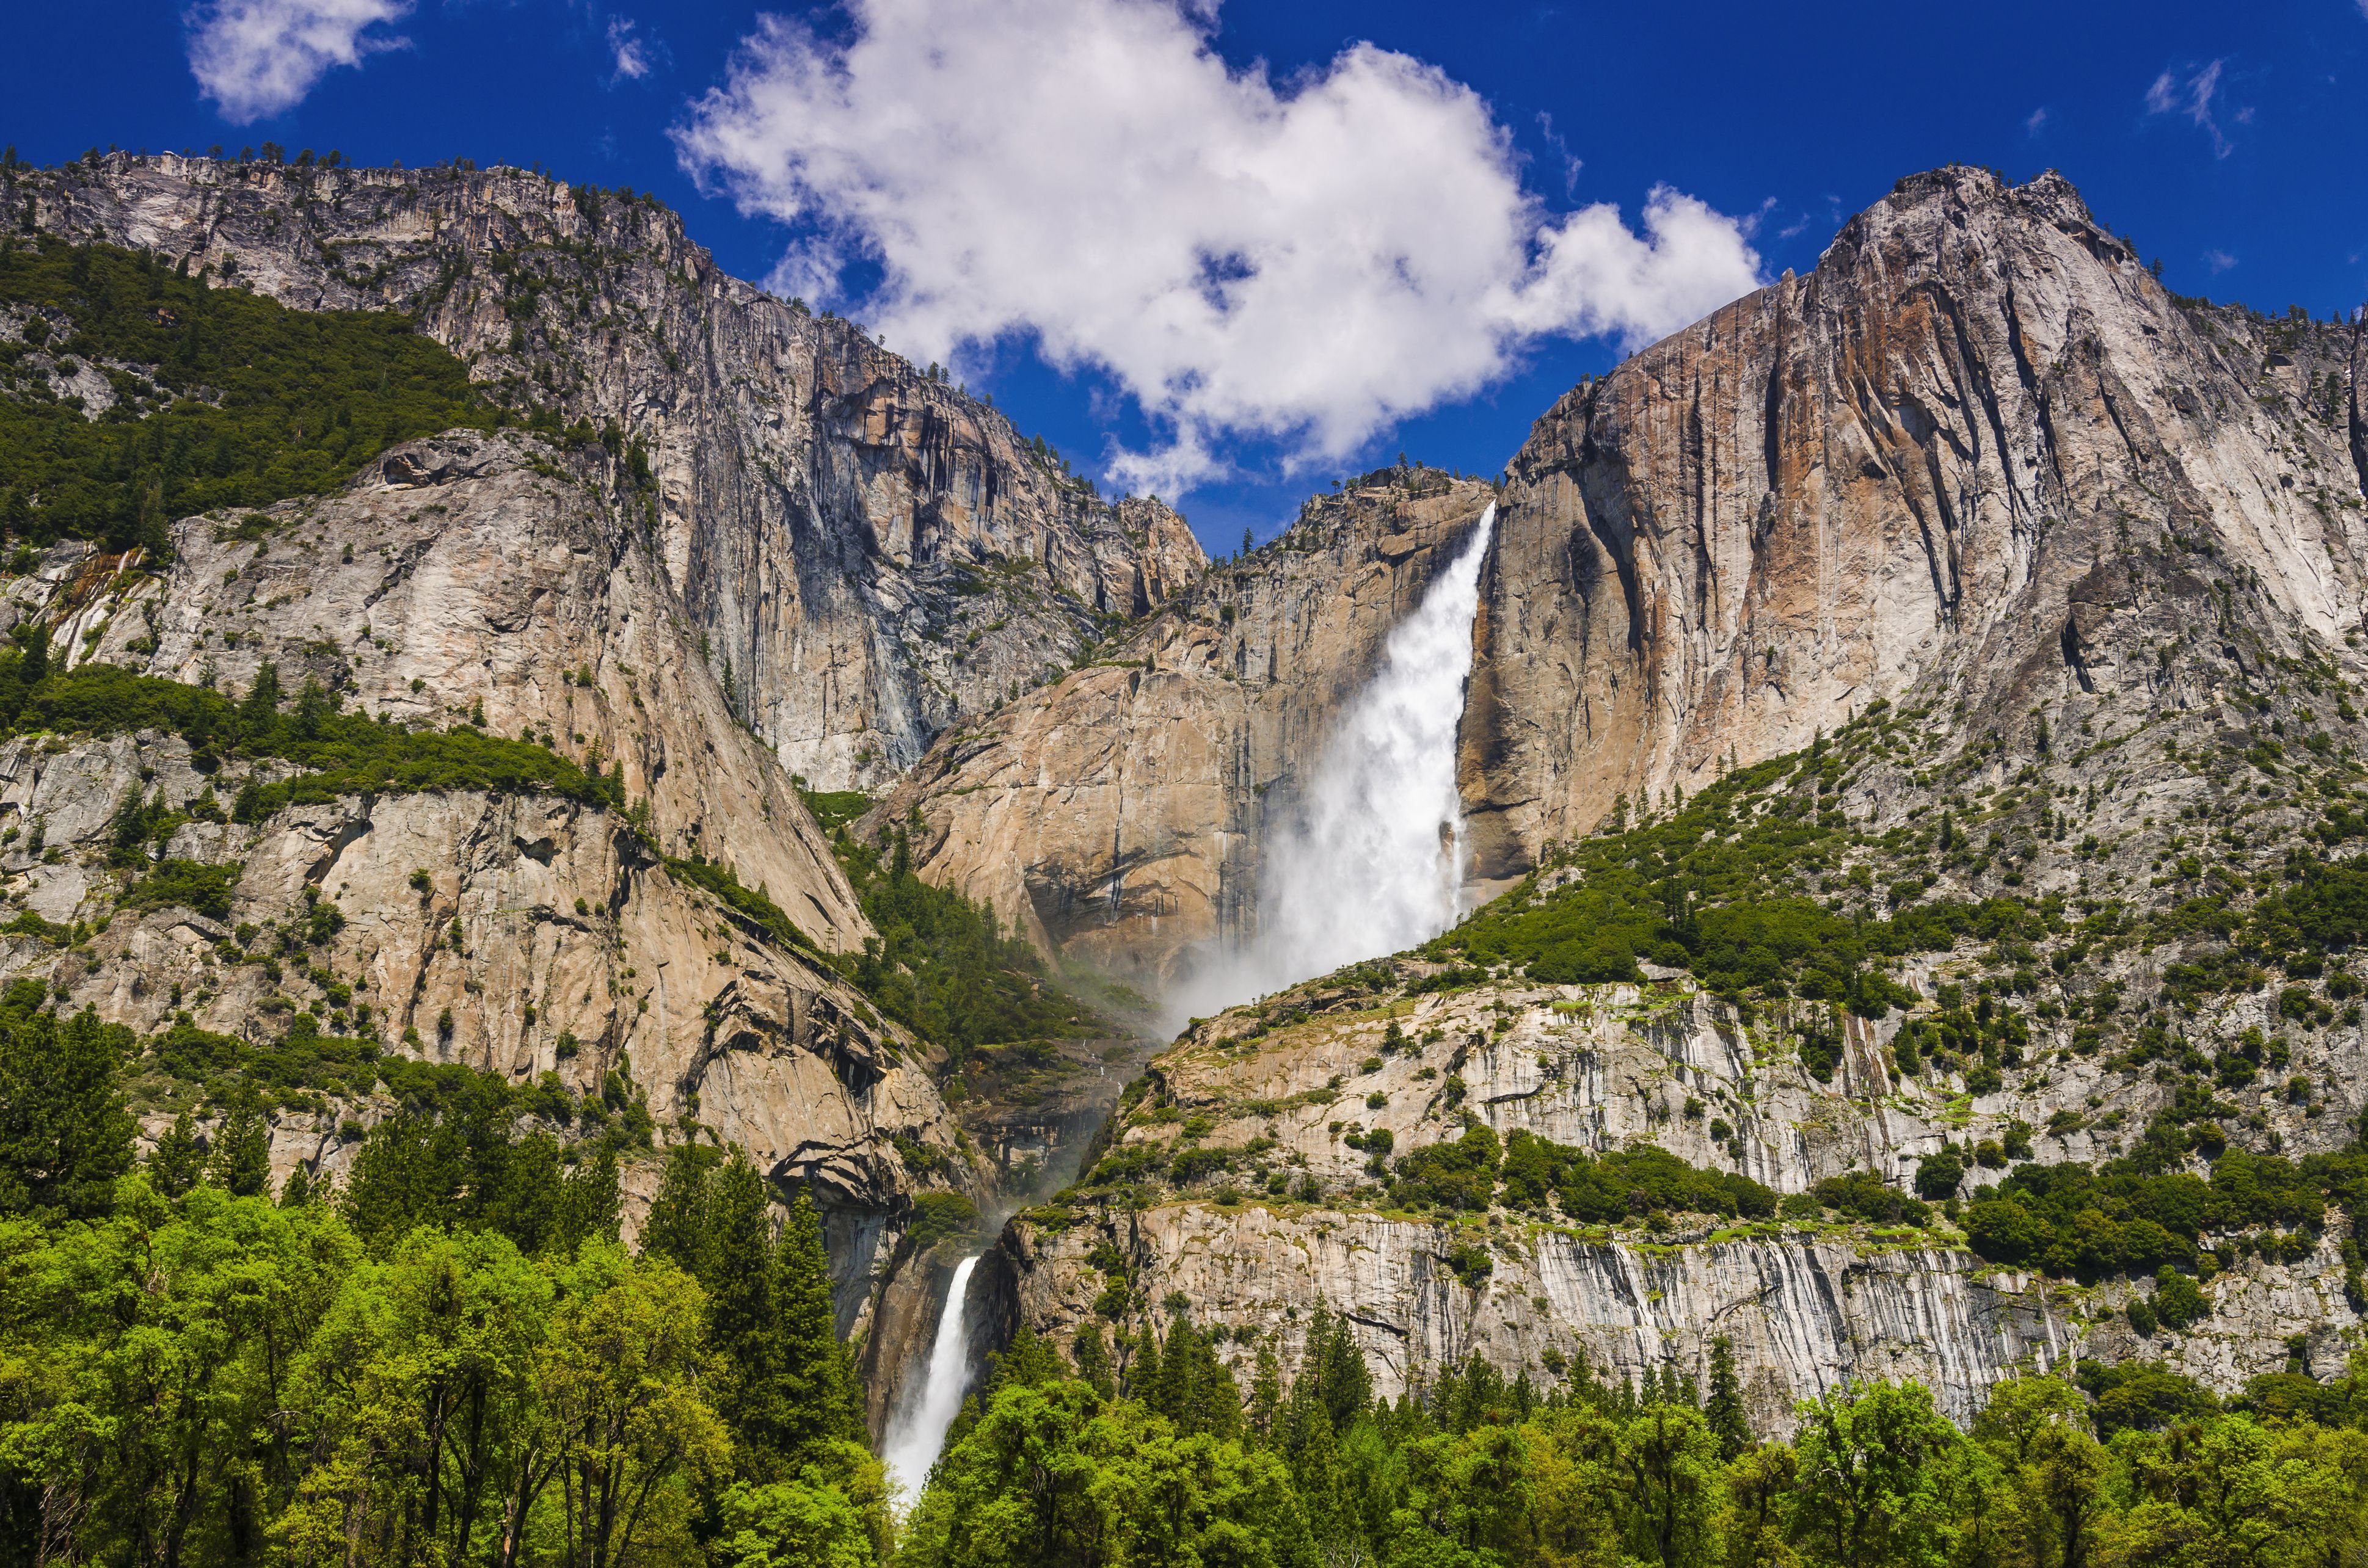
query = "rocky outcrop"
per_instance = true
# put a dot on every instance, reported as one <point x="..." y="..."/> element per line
<point x="487" y="581"/>
<point x="869" y="553"/>
<point x="1116" y="815"/>
<point x="1924" y="460"/>
<point x="1288" y="1099"/>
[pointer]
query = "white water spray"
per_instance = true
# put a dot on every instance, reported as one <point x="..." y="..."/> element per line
<point x="919" y="1431"/>
<point x="1372" y="858"/>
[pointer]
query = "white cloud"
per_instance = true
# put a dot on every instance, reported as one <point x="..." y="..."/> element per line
<point x="1308" y="260"/>
<point x="632" y="53"/>
<point x="2192" y="98"/>
<point x="255" y="58"/>
<point x="2219" y="261"/>
<point x="2038" y="120"/>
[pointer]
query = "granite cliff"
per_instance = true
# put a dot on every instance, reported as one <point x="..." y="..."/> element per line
<point x="868" y="552"/>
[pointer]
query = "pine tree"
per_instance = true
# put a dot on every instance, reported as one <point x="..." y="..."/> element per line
<point x="65" y="1133"/>
<point x="1728" y="1423"/>
<point x="1093" y="1360"/>
<point x="822" y="1381"/>
<point x="258" y="713"/>
<point x="679" y="1228"/>
<point x="175" y="1164"/>
<point x="34" y="638"/>
<point x="588" y="1203"/>
<point x="298" y="1191"/>
<point x="1266" y="1393"/>
<point x="241" y="1162"/>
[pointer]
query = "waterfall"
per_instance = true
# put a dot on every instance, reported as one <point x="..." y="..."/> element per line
<point x="1371" y="857"/>
<point x="919" y="1428"/>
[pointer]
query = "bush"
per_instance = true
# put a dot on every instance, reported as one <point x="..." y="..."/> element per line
<point x="188" y="884"/>
<point x="1863" y="1195"/>
<point x="2177" y="1301"/>
<point x="755" y="906"/>
<point x="1594" y="1188"/>
<point x="1938" y="1176"/>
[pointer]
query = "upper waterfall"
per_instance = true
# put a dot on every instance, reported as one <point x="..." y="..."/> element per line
<point x="1370" y="857"/>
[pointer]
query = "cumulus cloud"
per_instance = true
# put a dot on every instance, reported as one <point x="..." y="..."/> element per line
<point x="255" y="58"/>
<point x="2192" y="99"/>
<point x="1307" y="260"/>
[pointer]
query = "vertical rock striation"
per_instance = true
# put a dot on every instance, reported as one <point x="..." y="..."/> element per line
<point x="1921" y="459"/>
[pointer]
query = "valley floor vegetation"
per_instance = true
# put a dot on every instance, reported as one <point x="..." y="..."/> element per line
<point x="448" y="1358"/>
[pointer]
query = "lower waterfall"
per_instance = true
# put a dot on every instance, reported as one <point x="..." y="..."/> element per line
<point x="918" y="1428"/>
<point x="1369" y="858"/>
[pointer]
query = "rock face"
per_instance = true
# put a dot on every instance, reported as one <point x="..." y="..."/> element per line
<point x="869" y="553"/>
<point x="494" y="579"/>
<point x="1924" y="460"/>
<point x="1116" y="815"/>
<point x="1294" y="1219"/>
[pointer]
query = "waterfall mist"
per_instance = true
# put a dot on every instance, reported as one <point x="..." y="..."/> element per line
<point x="1369" y="858"/>
<point x="917" y="1430"/>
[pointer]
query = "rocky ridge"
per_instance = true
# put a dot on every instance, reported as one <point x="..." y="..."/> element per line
<point x="868" y="552"/>
<point x="1972" y="444"/>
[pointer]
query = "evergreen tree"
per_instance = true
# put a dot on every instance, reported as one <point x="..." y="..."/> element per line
<point x="1093" y="1360"/>
<point x="176" y="1163"/>
<point x="258" y="713"/>
<point x="1266" y="1393"/>
<point x="680" y="1227"/>
<point x="34" y="639"/>
<point x="823" y="1385"/>
<point x="65" y="1133"/>
<point x="1728" y="1423"/>
<point x="241" y="1160"/>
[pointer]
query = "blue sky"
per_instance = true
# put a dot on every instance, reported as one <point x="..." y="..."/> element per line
<point x="1238" y="251"/>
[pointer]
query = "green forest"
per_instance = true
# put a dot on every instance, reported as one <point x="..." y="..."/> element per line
<point x="216" y="397"/>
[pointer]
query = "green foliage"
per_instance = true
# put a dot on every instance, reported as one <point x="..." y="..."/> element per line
<point x="186" y="884"/>
<point x="224" y="1372"/>
<point x="754" y="907"/>
<point x="65" y="1133"/>
<point x="1541" y="1176"/>
<point x="341" y="754"/>
<point x="2131" y="1216"/>
<point x="1722" y="887"/>
<point x="226" y="399"/>
<point x="786" y="1386"/>
<point x="943" y="965"/>
<point x="1477" y="1471"/>
<point x="457" y="1163"/>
